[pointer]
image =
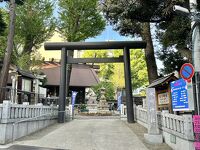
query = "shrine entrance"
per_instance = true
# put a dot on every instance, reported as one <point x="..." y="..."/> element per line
<point x="66" y="47"/>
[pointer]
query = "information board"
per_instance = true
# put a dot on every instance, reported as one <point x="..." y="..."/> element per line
<point x="163" y="98"/>
<point x="179" y="95"/>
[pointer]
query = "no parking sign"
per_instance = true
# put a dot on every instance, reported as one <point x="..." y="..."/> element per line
<point x="187" y="72"/>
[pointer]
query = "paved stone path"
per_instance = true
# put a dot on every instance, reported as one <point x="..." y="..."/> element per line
<point x="89" y="134"/>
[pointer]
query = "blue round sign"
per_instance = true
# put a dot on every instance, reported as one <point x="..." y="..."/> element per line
<point x="187" y="71"/>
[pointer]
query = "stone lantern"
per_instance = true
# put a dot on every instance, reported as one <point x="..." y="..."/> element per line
<point x="103" y="107"/>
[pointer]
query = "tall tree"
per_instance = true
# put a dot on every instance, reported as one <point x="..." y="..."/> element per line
<point x="80" y="19"/>
<point x="34" y="24"/>
<point x="175" y="37"/>
<point x="8" y="52"/>
<point x="134" y="18"/>
<point x="129" y="19"/>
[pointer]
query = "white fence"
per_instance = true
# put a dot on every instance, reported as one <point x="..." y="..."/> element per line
<point x="20" y="120"/>
<point x="180" y="126"/>
<point x="15" y="112"/>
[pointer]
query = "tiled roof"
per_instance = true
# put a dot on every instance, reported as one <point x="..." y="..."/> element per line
<point x="161" y="80"/>
<point x="81" y="76"/>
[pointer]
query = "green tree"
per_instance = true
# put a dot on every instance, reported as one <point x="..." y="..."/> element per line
<point x="138" y="70"/>
<point x="33" y="27"/>
<point x="175" y="36"/>
<point x="80" y="19"/>
<point x="115" y="72"/>
<point x="106" y="70"/>
<point x="9" y="48"/>
<point x="131" y="18"/>
<point x="34" y="24"/>
<point x="30" y="62"/>
<point x="109" y="90"/>
<point x="2" y="23"/>
<point x="3" y="32"/>
<point x="134" y="17"/>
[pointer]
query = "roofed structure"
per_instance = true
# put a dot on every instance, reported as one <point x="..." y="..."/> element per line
<point x="81" y="75"/>
<point x="162" y="80"/>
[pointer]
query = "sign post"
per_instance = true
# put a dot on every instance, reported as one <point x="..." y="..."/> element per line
<point x="182" y="89"/>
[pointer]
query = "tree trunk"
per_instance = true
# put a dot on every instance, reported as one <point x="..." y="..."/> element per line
<point x="7" y="56"/>
<point x="149" y="53"/>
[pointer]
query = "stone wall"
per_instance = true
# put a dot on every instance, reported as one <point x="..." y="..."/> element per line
<point x="20" y="120"/>
<point x="177" y="130"/>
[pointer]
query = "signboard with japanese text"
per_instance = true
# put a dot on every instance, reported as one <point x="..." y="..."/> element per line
<point x="182" y="95"/>
<point x="163" y="98"/>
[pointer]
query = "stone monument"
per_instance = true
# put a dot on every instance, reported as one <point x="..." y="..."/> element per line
<point x="103" y="107"/>
<point x="153" y="135"/>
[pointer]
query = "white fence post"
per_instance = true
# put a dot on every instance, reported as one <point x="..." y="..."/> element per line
<point x="6" y="111"/>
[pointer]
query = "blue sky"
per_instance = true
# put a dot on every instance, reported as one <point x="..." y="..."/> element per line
<point x="109" y="35"/>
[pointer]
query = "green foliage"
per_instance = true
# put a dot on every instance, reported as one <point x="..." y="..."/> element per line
<point x="80" y="19"/>
<point x="174" y="32"/>
<point x="138" y="69"/>
<point x="106" y="70"/>
<point x="28" y="62"/>
<point x="172" y="60"/>
<point x="109" y="90"/>
<point x="33" y="27"/>
<point x="175" y="37"/>
<point x="115" y="72"/>
<point x="132" y="18"/>
<point x="3" y="32"/>
<point x="34" y="24"/>
<point x="2" y="24"/>
<point x="18" y="2"/>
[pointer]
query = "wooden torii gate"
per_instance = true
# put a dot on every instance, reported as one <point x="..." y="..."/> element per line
<point x="65" y="59"/>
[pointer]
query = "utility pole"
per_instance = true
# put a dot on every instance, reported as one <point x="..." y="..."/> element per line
<point x="195" y="25"/>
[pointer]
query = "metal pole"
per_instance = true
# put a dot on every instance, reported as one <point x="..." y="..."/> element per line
<point x="62" y="89"/>
<point x="196" y="52"/>
<point x="129" y="97"/>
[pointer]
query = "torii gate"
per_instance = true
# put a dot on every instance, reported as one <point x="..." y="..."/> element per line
<point x="65" y="59"/>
